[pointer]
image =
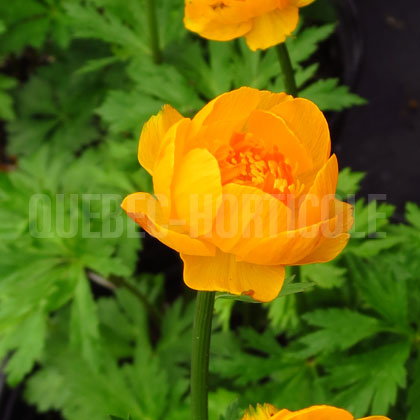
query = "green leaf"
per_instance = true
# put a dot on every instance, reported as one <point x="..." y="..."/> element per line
<point x="165" y="83"/>
<point x="372" y="246"/>
<point x="412" y="214"/>
<point x="349" y="182"/>
<point x="96" y="64"/>
<point x="84" y="322"/>
<point x="138" y="383"/>
<point x="326" y="276"/>
<point x="383" y="285"/>
<point x="305" y="44"/>
<point x="41" y="267"/>
<point x="150" y="381"/>
<point x="254" y="69"/>
<point x="27" y="344"/>
<point x="128" y="111"/>
<point x="329" y="96"/>
<point x="81" y="392"/>
<point x="337" y="330"/>
<point x="414" y="392"/>
<point x="232" y="412"/>
<point x="223" y="310"/>
<point x="106" y="25"/>
<point x="6" y="100"/>
<point x="265" y="342"/>
<point x="220" y="67"/>
<point x="370" y="219"/>
<point x="283" y="315"/>
<point x="31" y="23"/>
<point x="56" y="106"/>
<point x="174" y="347"/>
<point x="369" y="382"/>
<point x="122" y="24"/>
<point x="288" y="288"/>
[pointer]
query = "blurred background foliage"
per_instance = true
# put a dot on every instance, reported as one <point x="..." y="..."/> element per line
<point x="84" y="328"/>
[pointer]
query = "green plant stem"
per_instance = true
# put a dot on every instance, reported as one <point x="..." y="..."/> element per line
<point x="153" y="30"/>
<point x="287" y="71"/>
<point x="153" y="312"/>
<point x="200" y="354"/>
<point x="295" y="271"/>
<point x="115" y="282"/>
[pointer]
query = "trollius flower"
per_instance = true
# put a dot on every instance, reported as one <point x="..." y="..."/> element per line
<point x="263" y="23"/>
<point x="243" y="189"/>
<point x="318" y="412"/>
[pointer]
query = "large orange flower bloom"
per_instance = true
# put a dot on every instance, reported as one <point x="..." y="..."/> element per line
<point x="264" y="23"/>
<point x="317" y="412"/>
<point x="241" y="190"/>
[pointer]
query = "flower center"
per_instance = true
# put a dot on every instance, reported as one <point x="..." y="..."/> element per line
<point x="246" y="161"/>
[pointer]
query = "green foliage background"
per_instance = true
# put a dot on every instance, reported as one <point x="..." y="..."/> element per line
<point x="345" y="333"/>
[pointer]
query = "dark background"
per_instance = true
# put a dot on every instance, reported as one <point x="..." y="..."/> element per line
<point x="382" y="138"/>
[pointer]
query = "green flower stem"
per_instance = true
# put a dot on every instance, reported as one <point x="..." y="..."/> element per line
<point x="154" y="30"/>
<point x="287" y="69"/>
<point x="200" y="354"/>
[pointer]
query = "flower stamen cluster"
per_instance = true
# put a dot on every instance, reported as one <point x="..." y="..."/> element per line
<point x="247" y="162"/>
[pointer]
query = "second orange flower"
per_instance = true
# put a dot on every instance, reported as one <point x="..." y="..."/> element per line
<point x="263" y="23"/>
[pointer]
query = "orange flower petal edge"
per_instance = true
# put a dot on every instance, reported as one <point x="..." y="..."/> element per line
<point x="317" y="412"/>
<point x="263" y="23"/>
<point x="242" y="190"/>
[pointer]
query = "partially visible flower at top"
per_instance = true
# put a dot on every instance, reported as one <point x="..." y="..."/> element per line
<point x="244" y="188"/>
<point x="317" y="412"/>
<point x="263" y="23"/>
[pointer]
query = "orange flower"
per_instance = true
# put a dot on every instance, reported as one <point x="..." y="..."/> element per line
<point x="317" y="412"/>
<point x="264" y="23"/>
<point x="241" y="190"/>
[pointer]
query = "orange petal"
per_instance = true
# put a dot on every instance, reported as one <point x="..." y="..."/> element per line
<point x="171" y="150"/>
<point x="285" y="248"/>
<point x="269" y="99"/>
<point x="145" y="210"/>
<point x="302" y="3"/>
<point x="217" y="23"/>
<point x="224" y="273"/>
<point x="215" y="122"/>
<point x="320" y="242"/>
<point x="273" y="130"/>
<point x="247" y="213"/>
<point x="152" y="136"/>
<point x="272" y="28"/>
<point x="335" y="237"/>
<point x="217" y="31"/>
<point x="281" y="415"/>
<point x="320" y="412"/>
<point x="327" y="250"/>
<point x="236" y="105"/>
<point x="256" y="8"/>
<point x="318" y="203"/>
<point x="309" y="124"/>
<point x="197" y="191"/>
